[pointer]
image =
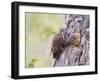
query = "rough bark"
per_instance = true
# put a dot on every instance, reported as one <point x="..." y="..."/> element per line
<point x="75" y="55"/>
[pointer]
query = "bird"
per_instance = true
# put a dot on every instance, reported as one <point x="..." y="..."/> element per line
<point x="76" y="39"/>
<point x="58" y="44"/>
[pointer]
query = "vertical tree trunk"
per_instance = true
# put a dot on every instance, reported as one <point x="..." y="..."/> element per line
<point x="76" y="55"/>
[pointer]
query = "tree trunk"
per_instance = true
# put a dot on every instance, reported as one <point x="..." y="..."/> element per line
<point x="76" y="55"/>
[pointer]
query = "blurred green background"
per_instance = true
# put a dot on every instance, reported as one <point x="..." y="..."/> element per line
<point x="40" y="29"/>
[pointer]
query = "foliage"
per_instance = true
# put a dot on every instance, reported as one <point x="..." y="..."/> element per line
<point x="31" y="64"/>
